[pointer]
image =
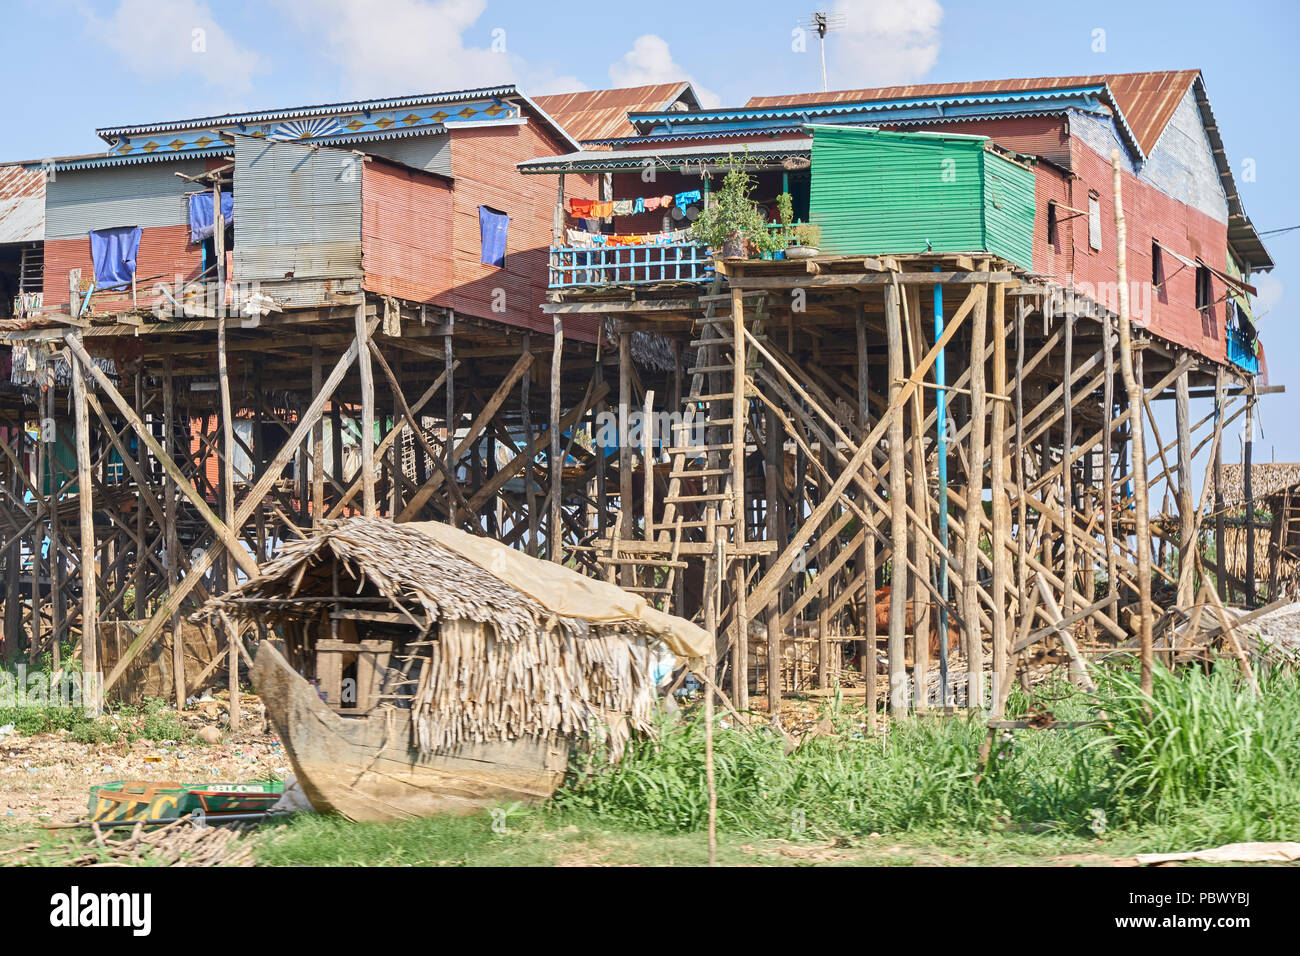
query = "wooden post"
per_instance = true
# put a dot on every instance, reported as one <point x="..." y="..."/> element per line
<point x="739" y="420"/>
<point x="1248" y="489"/>
<point x="772" y="478"/>
<point x="1001" y="536"/>
<point x="1108" y="478"/>
<point x="1068" y="569"/>
<point x="868" y="547"/>
<point x="1220" y="582"/>
<point x="85" y="500"/>
<point x="317" y="445"/>
<point x="920" y="550"/>
<point x="1186" y="509"/>
<point x="449" y="371"/>
<point x="626" y="493"/>
<point x="173" y="538"/>
<point x="975" y="508"/>
<point x="897" y="505"/>
<point x="713" y="570"/>
<point x="367" y="413"/>
<point x="526" y="417"/>
<point x="1137" y="430"/>
<point x="555" y="526"/>
<point x="228" y="509"/>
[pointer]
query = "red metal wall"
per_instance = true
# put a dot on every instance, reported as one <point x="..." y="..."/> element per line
<point x="1151" y="214"/>
<point x="483" y="164"/>
<point x="165" y="252"/>
<point x="1043" y="136"/>
<point x="406" y="219"/>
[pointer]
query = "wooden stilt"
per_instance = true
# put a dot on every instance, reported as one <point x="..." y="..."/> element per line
<point x="367" y="414"/>
<point x="974" y="509"/>
<point x="555" y="529"/>
<point x="898" y="506"/>
<point x="1001" y="536"/>
<point x="1220" y="581"/>
<point x="1133" y="388"/>
<point x="85" y="500"/>
<point x="1186" y="509"/>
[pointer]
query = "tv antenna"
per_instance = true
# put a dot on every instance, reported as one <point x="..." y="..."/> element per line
<point x="823" y="23"/>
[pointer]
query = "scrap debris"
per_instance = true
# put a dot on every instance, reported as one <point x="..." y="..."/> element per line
<point x="177" y="844"/>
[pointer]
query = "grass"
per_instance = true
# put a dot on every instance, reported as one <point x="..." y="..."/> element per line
<point x="1198" y="763"/>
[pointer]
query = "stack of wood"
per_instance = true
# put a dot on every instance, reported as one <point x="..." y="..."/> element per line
<point x="176" y="844"/>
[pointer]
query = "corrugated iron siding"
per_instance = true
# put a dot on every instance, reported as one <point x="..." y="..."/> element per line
<point x="405" y="232"/>
<point x="164" y="251"/>
<point x="430" y="153"/>
<point x="877" y="193"/>
<point x="483" y="163"/>
<point x="297" y="212"/>
<point x="1043" y="136"/>
<point x="149" y="195"/>
<point x="1008" y="209"/>
<point x="602" y="114"/>
<point x="22" y="204"/>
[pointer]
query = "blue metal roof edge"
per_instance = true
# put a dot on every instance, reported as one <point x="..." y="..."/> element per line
<point x="136" y="159"/>
<point x="267" y="116"/>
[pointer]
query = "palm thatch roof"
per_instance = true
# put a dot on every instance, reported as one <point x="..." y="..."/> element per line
<point x="1266" y="478"/>
<point x="547" y="650"/>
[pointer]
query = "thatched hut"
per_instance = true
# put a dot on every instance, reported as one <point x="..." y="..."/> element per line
<point x="457" y="652"/>
<point x="1275" y="488"/>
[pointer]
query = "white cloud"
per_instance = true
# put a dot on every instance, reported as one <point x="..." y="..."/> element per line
<point x="166" y="38"/>
<point x="1270" y="290"/>
<point x="651" y="61"/>
<point x="882" y="42"/>
<point x="391" y="47"/>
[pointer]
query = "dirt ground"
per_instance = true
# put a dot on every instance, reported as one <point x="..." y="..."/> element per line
<point x="47" y="777"/>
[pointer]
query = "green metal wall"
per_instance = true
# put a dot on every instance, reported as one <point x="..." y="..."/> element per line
<point x="876" y="193"/>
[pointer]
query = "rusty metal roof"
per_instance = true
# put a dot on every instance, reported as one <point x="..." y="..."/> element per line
<point x="22" y="204"/>
<point x="1147" y="100"/>
<point x="602" y="114"/>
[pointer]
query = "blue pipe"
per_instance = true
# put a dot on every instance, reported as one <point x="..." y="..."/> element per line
<point x="941" y="435"/>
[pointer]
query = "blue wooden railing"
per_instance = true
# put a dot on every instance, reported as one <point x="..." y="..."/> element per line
<point x="1241" y="351"/>
<point x="573" y="268"/>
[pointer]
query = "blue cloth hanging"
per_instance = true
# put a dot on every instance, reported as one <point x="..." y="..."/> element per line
<point x="114" y="253"/>
<point x="492" y="224"/>
<point x="201" y="225"/>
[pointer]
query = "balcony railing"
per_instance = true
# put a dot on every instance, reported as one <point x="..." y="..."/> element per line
<point x="573" y="267"/>
<point x="1241" y="351"/>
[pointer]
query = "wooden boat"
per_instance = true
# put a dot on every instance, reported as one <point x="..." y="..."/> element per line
<point x="420" y="669"/>
<point x="368" y="768"/>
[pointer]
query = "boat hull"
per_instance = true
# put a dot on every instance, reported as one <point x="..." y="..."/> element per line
<point x="367" y="769"/>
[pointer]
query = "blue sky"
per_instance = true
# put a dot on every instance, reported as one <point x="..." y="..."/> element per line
<point x="71" y="66"/>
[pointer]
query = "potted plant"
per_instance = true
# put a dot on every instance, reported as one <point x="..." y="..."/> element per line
<point x="803" y="241"/>
<point x="732" y="222"/>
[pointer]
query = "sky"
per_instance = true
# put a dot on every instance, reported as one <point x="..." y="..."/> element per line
<point x="73" y="66"/>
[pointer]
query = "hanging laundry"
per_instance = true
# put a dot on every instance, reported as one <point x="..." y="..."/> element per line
<point x="114" y="252"/>
<point x="622" y="207"/>
<point x="665" y="201"/>
<point x="492" y="224"/>
<point x="638" y="205"/>
<point x="688" y="197"/>
<point x="581" y="207"/>
<point x="591" y="225"/>
<point x="201" y="224"/>
<point x="603" y="210"/>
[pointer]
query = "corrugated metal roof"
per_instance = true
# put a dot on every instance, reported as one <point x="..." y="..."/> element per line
<point x="22" y="204"/>
<point x="596" y="159"/>
<point x="602" y="114"/>
<point x="1148" y="100"/>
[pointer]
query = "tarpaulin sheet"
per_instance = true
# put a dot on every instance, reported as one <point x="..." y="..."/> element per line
<point x="567" y="593"/>
<point x="114" y="252"/>
<point x="492" y="226"/>
<point x="201" y="225"/>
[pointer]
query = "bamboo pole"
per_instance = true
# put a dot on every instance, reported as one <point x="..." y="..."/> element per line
<point x="173" y="539"/>
<point x="555" y="530"/>
<point x="1131" y="385"/>
<point x="85" y="500"/>
<point x="1220" y="582"/>
<point x="1186" y="509"/>
<point x="868" y="547"/>
<point x="975" y="508"/>
<point x="228" y="499"/>
<point x="713" y="573"/>
<point x="739" y="419"/>
<point x="317" y="445"/>
<point x="367" y="413"/>
<point x="1107" y="454"/>
<point x="897" y="504"/>
<point x="1001" y="536"/>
